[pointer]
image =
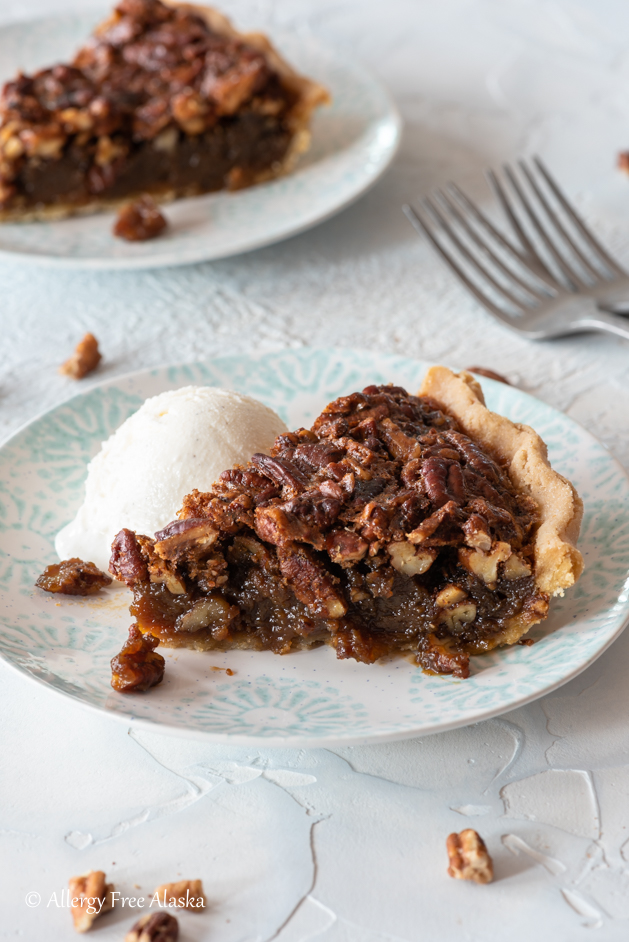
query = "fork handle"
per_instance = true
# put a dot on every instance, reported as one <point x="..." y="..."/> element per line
<point x="605" y="322"/>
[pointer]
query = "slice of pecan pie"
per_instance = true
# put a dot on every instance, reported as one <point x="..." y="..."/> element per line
<point x="418" y="524"/>
<point x="165" y="98"/>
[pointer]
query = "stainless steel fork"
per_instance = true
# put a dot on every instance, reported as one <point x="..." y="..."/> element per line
<point x="553" y="278"/>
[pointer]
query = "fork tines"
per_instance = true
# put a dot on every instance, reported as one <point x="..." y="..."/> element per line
<point x="555" y="253"/>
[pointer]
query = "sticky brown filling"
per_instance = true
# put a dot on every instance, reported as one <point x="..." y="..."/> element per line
<point x="247" y="144"/>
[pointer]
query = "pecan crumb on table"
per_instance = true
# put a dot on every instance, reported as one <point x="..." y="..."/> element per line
<point x="139" y="221"/>
<point x="90" y="897"/>
<point x="469" y="858"/>
<point x="490" y="374"/>
<point x="73" y="577"/>
<point x="186" y="894"/>
<point x="138" y="666"/>
<point x="154" y="927"/>
<point x="623" y="161"/>
<point x="85" y="358"/>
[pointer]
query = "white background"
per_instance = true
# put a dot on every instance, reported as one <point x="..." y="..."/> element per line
<point x="298" y="845"/>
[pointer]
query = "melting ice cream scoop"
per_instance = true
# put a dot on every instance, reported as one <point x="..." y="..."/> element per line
<point x="177" y="441"/>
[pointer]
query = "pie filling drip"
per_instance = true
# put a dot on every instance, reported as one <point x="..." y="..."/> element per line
<point x="155" y="102"/>
<point x="383" y="529"/>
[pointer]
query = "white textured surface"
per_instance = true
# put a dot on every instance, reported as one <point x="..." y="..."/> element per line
<point x="350" y="847"/>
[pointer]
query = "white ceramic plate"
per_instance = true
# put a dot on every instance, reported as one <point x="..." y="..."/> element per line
<point x="307" y="698"/>
<point x="353" y="143"/>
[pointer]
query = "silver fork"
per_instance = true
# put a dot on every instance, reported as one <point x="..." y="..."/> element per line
<point x="555" y="279"/>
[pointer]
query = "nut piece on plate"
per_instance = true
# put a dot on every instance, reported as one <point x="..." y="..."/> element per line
<point x="90" y="897"/>
<point x="154" y="927"/>
<point x="490" y="374"/>
<point x="469" y="858"/>
<point x="185" y="894"/>
<point x="623" y="161"/>
<point x="139" y="221"/>
<point x="85" y="358"/>
<point x="73" y="577"/>
<point x="138" y="666"/>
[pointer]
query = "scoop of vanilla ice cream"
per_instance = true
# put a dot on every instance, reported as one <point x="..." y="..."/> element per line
<point x="177" y="441"/>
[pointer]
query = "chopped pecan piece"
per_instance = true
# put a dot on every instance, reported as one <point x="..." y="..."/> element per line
<point x="401" y="446"/>
<point x="345" y="547"/>
<point x="154" y="927"/>
<point x="127" y="562"/>
<point x="318" y="454"/>
<point x="229" y="85"/>
<point x="405" y="558"/>
<point x="485" y="565"/>
<point x="310" y="582"/>
<point x="161" y="570"/>
<point x="440" y="656"/>
<point x="304" y="519"/>
<point x="139" y="221"/>
<point x="84" y="360"/>
<point x="429" y="526"/>
<point x="90" y="897"/>
<point x="469" y="857"/>
<point x="457" y="617"/>
<point x="191" y="536"/>
<point x="516" y="568"/>
<point x="450" y="596"/>
<point x="282" y="471"/>
<point x="363" y="647"/>
<point x="185" y="894"/>
<point x="73" y="577"/>
<point x="212" y="612"/>
<point x="490" y="374"/>
<point x="477" y="533"/>
<point x="138" y="666"/>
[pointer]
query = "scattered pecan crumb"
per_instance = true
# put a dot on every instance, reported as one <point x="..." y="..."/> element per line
<point x="490" y="374"/>
<point x="85" y="358"/>
<point x="73" y="577"/>
<point x="623" y="161"/>
<point x="526" y="641"/>
<point x="227" y="670"/>
<point x="138" y="666"/>
<point x="186" y="894"/>
<point x="154" y="927"/>
<point x="90" y="897"/>
<point x="139" y="220"/>
<point x="469" y="858"/>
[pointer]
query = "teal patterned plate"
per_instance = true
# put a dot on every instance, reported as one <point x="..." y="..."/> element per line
<point x="353" y="142"/>
<point x="307" y="698"/>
